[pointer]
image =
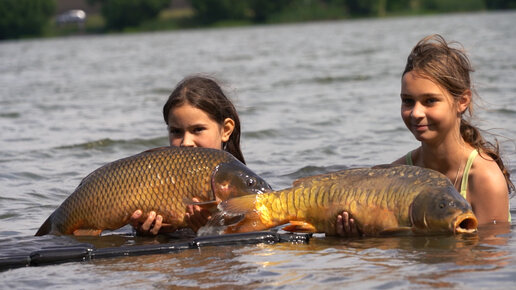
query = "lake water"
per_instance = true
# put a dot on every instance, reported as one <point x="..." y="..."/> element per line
<point x="312" y="98"/>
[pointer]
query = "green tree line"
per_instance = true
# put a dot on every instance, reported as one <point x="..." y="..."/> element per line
<point x="25" y="18"/>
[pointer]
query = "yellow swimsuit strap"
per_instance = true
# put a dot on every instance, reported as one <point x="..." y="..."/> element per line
<point x="464" y="184"/>
<point x="408" y="158"/>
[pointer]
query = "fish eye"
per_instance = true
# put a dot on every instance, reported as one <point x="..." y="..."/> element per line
<point x="441" y="205"/>
<point x="251" y="182"/>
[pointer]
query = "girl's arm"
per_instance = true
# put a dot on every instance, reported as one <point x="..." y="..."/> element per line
<point x="487" y="192"/>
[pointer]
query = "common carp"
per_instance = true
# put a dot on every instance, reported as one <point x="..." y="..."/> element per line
<point x="163" y="179"/>
<point x="384" y="200"/>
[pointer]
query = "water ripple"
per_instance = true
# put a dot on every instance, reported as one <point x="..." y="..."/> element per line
<point x="110" y="143"/>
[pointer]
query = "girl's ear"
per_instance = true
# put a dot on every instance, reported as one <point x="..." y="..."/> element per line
<point x="227" y="129"/>
<point x="464" y="102"/>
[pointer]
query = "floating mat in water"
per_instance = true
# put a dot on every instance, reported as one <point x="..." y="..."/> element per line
<point x="85" y="252"/>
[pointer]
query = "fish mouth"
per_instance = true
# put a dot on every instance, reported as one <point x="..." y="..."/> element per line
<point x="465" y="223"/>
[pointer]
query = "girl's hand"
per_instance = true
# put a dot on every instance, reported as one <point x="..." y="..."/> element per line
<point x="195" y="216"/>
<point x="150" y="226"/>
<point x="345" y="226"/>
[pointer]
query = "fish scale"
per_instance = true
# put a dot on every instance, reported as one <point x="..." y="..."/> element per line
<point x="163" y="180"/>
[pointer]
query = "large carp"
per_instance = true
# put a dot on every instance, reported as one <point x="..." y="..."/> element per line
<point x="162" y="179"/>
<point x="383" y="200"/>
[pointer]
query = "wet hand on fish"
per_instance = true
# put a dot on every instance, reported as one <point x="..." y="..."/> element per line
<point x="345" y="226"/>
<point x="195" y="217"/>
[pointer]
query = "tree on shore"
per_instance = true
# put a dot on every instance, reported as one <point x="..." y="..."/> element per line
<point x="24" y="18"/>
<point x="120" y="14"/>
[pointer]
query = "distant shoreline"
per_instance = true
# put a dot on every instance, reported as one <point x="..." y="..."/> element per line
<point x="177" y="19"/>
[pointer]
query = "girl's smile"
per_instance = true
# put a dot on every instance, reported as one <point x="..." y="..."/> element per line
<point x="426" y="108"/>
<point x="420" y="128"/>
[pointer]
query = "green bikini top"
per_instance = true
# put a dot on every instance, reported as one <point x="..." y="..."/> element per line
<point x="464" y="183"/>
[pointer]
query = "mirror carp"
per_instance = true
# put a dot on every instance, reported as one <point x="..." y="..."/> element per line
<point x="382" y="200"/>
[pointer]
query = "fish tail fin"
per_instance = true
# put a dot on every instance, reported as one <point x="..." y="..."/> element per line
<point x="236" y="215"/>
<point x="45" y="228"/>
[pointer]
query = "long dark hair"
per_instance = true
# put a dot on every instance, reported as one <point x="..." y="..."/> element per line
<point x="449" y="66"/>
<point x="205" y="94"/>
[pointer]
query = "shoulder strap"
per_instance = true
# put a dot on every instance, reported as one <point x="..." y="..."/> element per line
<point x="464" y="184"/>
<point x="408" y="158"/>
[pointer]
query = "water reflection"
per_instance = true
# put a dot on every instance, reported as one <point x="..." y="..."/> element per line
<point x="466" y="257"/>
<point x="429" y="261"/>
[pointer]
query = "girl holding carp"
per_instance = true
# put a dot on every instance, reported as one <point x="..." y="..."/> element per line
<point x="436" y="95"/>
<point x="197" y="114"/>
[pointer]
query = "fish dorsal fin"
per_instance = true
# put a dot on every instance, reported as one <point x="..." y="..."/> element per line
<point x="156" y="149"/>
<point x="384" y="166"/>
<point x="310" y="180"/>
<point x="300" y="227"/>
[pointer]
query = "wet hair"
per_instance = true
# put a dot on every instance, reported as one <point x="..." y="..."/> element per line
<point x="449" y="66"/>
<point x="205" y="94"/>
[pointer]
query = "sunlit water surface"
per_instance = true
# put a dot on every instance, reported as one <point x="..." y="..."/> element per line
<point x="312" y="98"/>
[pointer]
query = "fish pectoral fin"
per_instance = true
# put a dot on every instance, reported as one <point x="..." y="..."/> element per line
<point x="297" y="226"/>
<point x="87" y="232"/>
<point x="238" y="205"/>
<point x="396" y="231"/>
<point x="237" y="215"/>
<point x="210" y="204"/>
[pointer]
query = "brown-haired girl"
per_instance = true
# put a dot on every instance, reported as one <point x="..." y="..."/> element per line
<point x="436" y="93"/>
<point x="197" y="114"/>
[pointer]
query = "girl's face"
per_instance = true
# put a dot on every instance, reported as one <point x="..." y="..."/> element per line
<point x="427" y="109"/>
<point x="191" y="127"/>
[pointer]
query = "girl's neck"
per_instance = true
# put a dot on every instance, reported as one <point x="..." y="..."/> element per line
<point x="446" y="157"/>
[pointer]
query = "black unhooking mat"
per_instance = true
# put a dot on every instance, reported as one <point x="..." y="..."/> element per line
<point x="86" y="252"/>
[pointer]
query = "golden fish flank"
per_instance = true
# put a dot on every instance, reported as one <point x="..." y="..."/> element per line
<point x="161" y="179"/>
<point x="399" y="199"/>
